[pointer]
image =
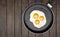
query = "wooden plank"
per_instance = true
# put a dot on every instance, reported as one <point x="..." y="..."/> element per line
<point x="46" y="34"/>
<point x="3" y="18"/>
<point x="44" y="1"/>
<point x="39" y="35"/>
<point x="38" y="1"/>
<point x="58" y="18"/>
<point x="10" y="18"/>
<point x="18" y="18"/>
<point x="24" y="29"/>
<point x="53" y="29"/>
<point x="31" y="1"/>
<point x="31" y="34"/>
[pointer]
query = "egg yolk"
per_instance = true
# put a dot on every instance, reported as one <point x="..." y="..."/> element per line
<point x="35" y="15"/>
<point x="41" y="18"/>
<point x="37" y="22"/>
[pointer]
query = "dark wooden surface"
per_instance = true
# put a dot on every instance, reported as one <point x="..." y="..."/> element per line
<point x="11" y="24"/>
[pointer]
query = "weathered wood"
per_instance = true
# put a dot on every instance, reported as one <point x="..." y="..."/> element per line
<point x="3" y="18"/>
<point x="10" y="18"/>
<point x="58" y="18"/>
<point x="18" y="18"/>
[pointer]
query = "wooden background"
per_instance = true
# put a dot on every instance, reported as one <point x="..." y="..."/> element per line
<point x="12" y="26"/>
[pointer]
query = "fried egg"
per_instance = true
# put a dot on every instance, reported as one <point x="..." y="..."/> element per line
<point x="38" y="18"/>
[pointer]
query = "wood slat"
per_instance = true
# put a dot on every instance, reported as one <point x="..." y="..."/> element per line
<point x="3" y="18"/>
<point x="18" y="19"/>
<point x="46" y="34"/>
<point x="10" y="18"/>
<point x="44" y="1"/>
<point x="38" y="1"/>
<point x="58" y="18"/>
<point x="31" y="34"/>
<point x="24" y="29"/>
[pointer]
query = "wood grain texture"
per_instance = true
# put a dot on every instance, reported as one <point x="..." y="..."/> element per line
<point x="58" y="18"/>
<point x="24" y="29"/>
<point x="10" y="18"/>
<point x="18" y="17"/>
<point x="38" y="1"/>
<point x="2" y="18"/>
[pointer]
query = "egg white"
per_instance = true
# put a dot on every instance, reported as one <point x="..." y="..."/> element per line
<point x="40" y="13"/>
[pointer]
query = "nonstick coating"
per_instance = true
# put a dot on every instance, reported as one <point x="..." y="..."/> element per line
<point x="48" y="14"/>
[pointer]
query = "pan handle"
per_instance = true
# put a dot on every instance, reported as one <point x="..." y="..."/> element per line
<point x="50" y="3"/>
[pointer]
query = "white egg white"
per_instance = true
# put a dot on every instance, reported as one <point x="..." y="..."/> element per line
<point x="40" y="13"/>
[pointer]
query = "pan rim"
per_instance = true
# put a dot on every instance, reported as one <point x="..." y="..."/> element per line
<point x="30" y="29"/>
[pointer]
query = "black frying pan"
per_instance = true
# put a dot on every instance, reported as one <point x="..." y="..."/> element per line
<point x="48" y="13"/>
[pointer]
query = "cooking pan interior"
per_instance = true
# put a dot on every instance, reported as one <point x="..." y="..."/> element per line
<point x="41" y="7"/>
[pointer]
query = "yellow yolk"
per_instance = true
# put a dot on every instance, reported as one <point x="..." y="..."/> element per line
<point x="37" y="22"/>
<point x="41" y="18"/>
<point x="35" y="15"/>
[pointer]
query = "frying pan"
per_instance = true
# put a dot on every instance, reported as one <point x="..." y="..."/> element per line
<point x="37" y="6"/>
